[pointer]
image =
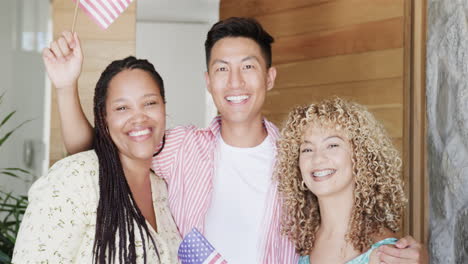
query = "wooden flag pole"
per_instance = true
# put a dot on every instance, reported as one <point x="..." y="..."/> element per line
<point x="75" y="16"/>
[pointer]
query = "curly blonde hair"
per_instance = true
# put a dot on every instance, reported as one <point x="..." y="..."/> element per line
<point x="379" y="198"/>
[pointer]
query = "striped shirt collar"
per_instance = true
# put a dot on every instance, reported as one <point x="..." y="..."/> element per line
<point x="272" y="130"/>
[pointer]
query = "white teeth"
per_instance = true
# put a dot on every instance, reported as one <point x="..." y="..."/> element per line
<point x="237" y="99"/>
<point x="139" y="133"/>
<point x="323" y="173"/>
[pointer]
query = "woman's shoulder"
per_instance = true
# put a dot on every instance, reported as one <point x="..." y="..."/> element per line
<point x="304" y="260"/>
<point x="385" y="241"/>
<point x="386" y="237"/>
<point x="77" y="173"/>
<point x="79" y="159"/>
<point x="372" y="256"/>
<point x="80" y="163"/>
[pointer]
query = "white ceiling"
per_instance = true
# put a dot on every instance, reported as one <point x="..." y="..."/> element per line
<point x="191" y="11"/>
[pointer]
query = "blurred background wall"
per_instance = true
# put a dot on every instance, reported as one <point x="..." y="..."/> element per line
<point x="24" y="31"/>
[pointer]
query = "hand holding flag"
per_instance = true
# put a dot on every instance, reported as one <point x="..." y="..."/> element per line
<point x="195" y="249"/>
<point x="63" y="60"/>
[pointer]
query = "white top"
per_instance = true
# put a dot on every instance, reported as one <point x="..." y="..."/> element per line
<point x="59" y="223"/>
<point x="240" y="184"/>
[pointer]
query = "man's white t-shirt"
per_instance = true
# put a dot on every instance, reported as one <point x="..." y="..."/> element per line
<point x="241" y="180"/>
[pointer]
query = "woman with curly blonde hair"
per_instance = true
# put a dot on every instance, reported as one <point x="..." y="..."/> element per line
<point x="340" y="180"/>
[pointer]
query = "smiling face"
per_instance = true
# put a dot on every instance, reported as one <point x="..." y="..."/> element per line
<point x="238" y="79"/>
<point x="325" y="161"/>
<point x="135" y="114"/>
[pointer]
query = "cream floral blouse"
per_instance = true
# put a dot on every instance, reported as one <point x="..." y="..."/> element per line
<point x="59" y="223"/>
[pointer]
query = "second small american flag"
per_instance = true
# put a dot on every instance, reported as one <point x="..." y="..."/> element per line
<point x="195" y="249"/>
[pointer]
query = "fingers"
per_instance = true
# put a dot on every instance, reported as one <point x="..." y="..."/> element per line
<point x="395" y="260"/>
<point x="69" y="38"/>
<point x="407" y="241"/>
<point x="54" y="48"/>
<point x="390" y="254"/>
<point x="48" y="55"/>
<point x="62" y="47"/>
<point x="77" y="45"/>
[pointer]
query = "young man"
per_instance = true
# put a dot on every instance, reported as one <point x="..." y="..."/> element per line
<point x="219" y="178"/>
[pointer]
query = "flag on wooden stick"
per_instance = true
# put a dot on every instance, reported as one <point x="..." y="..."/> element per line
<point x="104" y="12"/>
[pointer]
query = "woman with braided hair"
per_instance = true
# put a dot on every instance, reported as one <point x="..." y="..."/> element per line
<point x="340" y="179"/>
<point x="104" y="205"/>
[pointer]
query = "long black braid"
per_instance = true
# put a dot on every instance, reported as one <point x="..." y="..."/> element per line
<point x="117" y="211"/>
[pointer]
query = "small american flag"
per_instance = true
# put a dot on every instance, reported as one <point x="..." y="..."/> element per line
<point x="195" y="249"/>
<point x="104" y="12"/>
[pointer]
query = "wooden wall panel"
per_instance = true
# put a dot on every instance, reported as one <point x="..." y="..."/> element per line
<point x="100" y="47"/>
<point x="390" y="116"/>
<point x="339" y="69"/>
<point x="251" y="8"/>
<point x="347" y="40"/>
<point x="357" y="49"/>
<point x="380" y="92"/>
<point x="329" y="15"/>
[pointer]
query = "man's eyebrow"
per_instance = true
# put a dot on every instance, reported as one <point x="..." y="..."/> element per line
<point x="150" y="95"/>
<point x="252" y="57"/>
<point x="219" y="61"/>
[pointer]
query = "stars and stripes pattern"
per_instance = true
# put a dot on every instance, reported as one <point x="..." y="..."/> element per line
<point x="195" y="249"/>
<point x="104" y="12"/>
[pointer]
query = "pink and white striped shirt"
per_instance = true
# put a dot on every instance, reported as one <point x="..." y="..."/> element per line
<point x="187" y="164"/>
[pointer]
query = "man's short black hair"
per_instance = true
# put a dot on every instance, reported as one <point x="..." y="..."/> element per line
<point x="239" y="27"/>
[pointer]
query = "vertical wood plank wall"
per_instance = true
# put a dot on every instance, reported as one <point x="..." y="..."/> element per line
<point x="355" y="49"/>
<point x="100" y="47"/>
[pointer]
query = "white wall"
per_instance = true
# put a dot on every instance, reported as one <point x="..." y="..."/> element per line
<point x="171" y="35"/>
<point x="176" y="50"/>
<point x="23" y="32"/>
<point x="204" y="11"/>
